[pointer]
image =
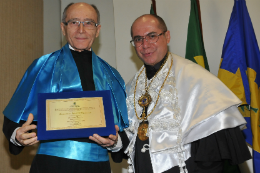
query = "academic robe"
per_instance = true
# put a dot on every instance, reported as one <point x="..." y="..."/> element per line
<point x="208" y="136"/>
<point x="64" y="71"/>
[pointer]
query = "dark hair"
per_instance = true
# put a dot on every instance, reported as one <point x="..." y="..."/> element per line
<point x="64" y="15"/>
<point x="162" y="24"/>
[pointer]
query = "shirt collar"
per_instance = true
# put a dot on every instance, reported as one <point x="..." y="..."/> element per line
<point x="151" y="70"/>
<point x="74" y="49"/>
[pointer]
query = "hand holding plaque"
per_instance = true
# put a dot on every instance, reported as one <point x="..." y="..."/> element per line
<point x="109" y="141"/>
<point x="23" y="134"/>
<point x="74" y="115"/>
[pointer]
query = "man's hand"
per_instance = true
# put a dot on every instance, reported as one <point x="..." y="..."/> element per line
<point x="105" y="142"/>
<point x="22" y="135"/>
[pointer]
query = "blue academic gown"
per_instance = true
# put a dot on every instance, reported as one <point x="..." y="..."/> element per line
<point x="57" y="72"/>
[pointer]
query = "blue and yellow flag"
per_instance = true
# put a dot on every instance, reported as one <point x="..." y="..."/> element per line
<point x="240" y="71"/>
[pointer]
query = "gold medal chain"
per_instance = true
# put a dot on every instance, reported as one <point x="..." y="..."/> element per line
<point x="145" y="117"/>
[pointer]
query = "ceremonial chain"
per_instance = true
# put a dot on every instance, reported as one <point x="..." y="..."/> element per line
<point x="145" y="99"/>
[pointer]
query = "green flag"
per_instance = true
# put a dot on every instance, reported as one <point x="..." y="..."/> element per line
<point x="153" y="7"/>
<point x="194" y="46"/>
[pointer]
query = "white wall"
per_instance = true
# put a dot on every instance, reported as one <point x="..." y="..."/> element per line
<point x="51" y="26"/>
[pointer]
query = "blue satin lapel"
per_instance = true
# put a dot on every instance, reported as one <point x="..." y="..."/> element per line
<point x="100" y="79"/>
<point x="105" y="78"/>
<point x="67" y="73"/>
<point x="56" y="72"/>
<point x="24" y="99"/>
<point x="119" y="96"/>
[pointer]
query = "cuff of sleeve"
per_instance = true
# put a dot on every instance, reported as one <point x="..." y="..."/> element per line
<point x="13" y="140"/>
<point x="117" y="146"/>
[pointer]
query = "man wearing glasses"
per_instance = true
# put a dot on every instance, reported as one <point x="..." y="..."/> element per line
<point x="75" y="67"/>
<point x="182" y="118"/>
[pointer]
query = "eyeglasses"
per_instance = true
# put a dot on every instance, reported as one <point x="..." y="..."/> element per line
<point x="150" y="38"/>
<point x="88" y="24"/>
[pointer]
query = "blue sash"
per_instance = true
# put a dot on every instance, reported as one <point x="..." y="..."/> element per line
<point x="74" y="150"/>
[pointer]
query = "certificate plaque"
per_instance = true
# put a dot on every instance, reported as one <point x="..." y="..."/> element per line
<point x="74" y="115"/>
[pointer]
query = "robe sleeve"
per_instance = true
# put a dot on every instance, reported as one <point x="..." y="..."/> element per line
<point x="226" y="144"/>
<point x="211" y="153"/>
<point x="120" y="155"/>
<point x="8" y="129"/>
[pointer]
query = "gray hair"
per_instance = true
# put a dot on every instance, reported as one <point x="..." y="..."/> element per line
<point x="98" y="14"/>
<point x="64" y="14"/>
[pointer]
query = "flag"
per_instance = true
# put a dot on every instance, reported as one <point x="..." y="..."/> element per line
<point x="240" y="71"/>
<point x="153" y="7"/>
<point x="194" y="46"/>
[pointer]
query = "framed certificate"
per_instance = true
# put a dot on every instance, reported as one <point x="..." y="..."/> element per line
<point x="74" y="115"/>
